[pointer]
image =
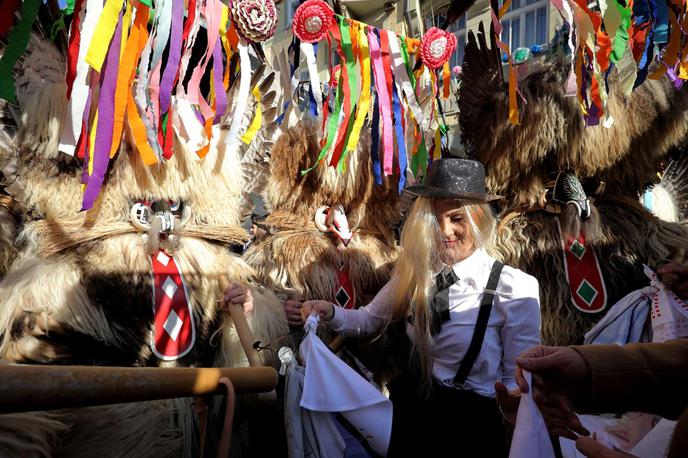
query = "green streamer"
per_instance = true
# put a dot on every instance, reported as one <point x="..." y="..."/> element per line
<point x="17" y="44"/>
<point x="621" y="38"/>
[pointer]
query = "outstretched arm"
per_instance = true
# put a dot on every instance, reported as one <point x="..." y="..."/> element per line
<point x="348" y="322"/>
<point x="643" y="377"/>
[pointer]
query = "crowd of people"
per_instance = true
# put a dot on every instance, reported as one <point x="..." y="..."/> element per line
<point x="472" y="326"/>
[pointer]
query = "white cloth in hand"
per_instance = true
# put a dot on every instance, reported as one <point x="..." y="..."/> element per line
<point x="531" y="439"/>
<point x="332" y="386"/>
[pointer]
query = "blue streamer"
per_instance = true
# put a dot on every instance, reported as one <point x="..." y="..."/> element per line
<point x="375" y="145"/>
<point x="401" y="144"/>
<point x="661" y="29"/>
<point x="645" y="60"/>
<point x="311" y="95"/>
<point x="642" y="12"/>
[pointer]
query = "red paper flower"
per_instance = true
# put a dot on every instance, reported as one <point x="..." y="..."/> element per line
<point x="254" y="20"/>
<point x="437" y="47"/>
<point x="312" y="20"/>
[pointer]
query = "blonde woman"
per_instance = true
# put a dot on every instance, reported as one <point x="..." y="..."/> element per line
<point x="466" y="314"/>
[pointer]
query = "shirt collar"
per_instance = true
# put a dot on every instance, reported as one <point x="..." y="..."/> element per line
<point x="473" y="267"/>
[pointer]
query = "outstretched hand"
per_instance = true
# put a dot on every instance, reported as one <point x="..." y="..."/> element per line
<point x="557" y="372"/>
<point x="322" y="308"/>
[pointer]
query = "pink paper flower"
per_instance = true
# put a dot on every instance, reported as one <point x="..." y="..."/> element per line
<point x="312" y="20"/>
<point x="437" y="47"/>
<point x="254" y="20"/>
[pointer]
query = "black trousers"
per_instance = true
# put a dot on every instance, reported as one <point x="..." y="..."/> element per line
<point x="447" y="423"/>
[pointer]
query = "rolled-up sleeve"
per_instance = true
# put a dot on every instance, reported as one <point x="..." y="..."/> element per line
<point x="365" y="320"/>
<point x="521" y="329"/>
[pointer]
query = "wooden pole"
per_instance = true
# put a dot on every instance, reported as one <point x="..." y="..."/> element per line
<point x="236" y="311"/>
<point x="29" y="388"/>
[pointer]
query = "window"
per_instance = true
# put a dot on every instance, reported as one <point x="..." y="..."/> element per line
<point x="440" y="17"/>
<point x="457" y="57"/>
<point x="525" y="24"/>
<point x="291" y="6"/>
<point x="458" y="28"/>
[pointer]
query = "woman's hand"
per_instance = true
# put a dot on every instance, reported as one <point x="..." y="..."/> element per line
<point x="323" y="309"/>
<point x="239" y="295"/>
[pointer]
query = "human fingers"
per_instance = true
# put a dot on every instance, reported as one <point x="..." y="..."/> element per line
<point x="563" y="419"/>
<point x="673" y="267"/>
<point x="316" y="306"/>
<point x="536" y="352"/>
<point x="234" y="290"/>
<point x="501" y="390"/>
<point x="521" y="380"/>
<point x="295" y="321"/>
<point x="562" y="432"/>
<point x="238" y="299"/>
<point x="293" y="304"/>
<point x="307" y="309"/>
<point x="540" y="359"/>
<point x="294" y="318"/>
<point x="595" y="449"/>
<point x="223" y="304"/>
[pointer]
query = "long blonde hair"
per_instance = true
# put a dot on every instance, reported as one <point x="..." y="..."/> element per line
<point x="422" y="244"/>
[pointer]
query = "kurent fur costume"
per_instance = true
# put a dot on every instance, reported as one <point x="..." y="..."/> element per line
<point x="76" y="287"/>
<point x="613" y="164"/>
<point x="299" y="260"/>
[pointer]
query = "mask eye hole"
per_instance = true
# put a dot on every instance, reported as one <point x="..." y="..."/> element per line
<point x="177" y="207"/>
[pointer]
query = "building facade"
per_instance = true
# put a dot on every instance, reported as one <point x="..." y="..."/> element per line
<point x="525" y="24"/>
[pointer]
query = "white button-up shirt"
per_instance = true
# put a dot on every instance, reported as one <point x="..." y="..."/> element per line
<point x="513" y="327"/>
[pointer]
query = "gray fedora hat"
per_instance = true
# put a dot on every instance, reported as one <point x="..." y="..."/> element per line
<point x="454" y="178"/>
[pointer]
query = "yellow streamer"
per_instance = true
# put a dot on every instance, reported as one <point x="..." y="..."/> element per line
<point x="104" y="31"/>
<point x="225" y="44"/>
<point x="92" y="144"/>
<point x="504" y="8"/>
<point x="437" y="153"/>
<point x="126" y="24"/>
<point x="250" y="134"/>
<point x="364" y="103"/>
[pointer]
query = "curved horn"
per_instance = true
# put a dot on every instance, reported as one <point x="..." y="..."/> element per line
<point x="321" y="218"/>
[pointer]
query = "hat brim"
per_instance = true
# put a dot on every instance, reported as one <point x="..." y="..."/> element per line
<point x="431" y="191"/>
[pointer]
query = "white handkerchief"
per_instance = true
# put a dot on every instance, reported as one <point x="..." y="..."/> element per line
<point x="332" y="386"/>
<point x="531" y="439"/>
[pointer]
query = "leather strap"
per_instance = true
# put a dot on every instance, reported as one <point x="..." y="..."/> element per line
<point x="480" y="326"/>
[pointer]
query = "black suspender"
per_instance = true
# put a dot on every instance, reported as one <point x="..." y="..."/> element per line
<point x="480" y="326"/>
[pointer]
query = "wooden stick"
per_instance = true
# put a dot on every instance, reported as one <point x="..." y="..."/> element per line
<point x="226" y="438"/>
<point x="236" y="311"/>
<point x="337" y="343"/>
<point x="29" y="388"/>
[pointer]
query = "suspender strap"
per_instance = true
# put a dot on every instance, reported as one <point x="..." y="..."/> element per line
<point x="480" y="326"/>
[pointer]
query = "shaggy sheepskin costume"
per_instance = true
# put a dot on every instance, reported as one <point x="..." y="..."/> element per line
<point x="78" y="287"/>
<point x="614" y="165"/>
<point x="299" y="260"/>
